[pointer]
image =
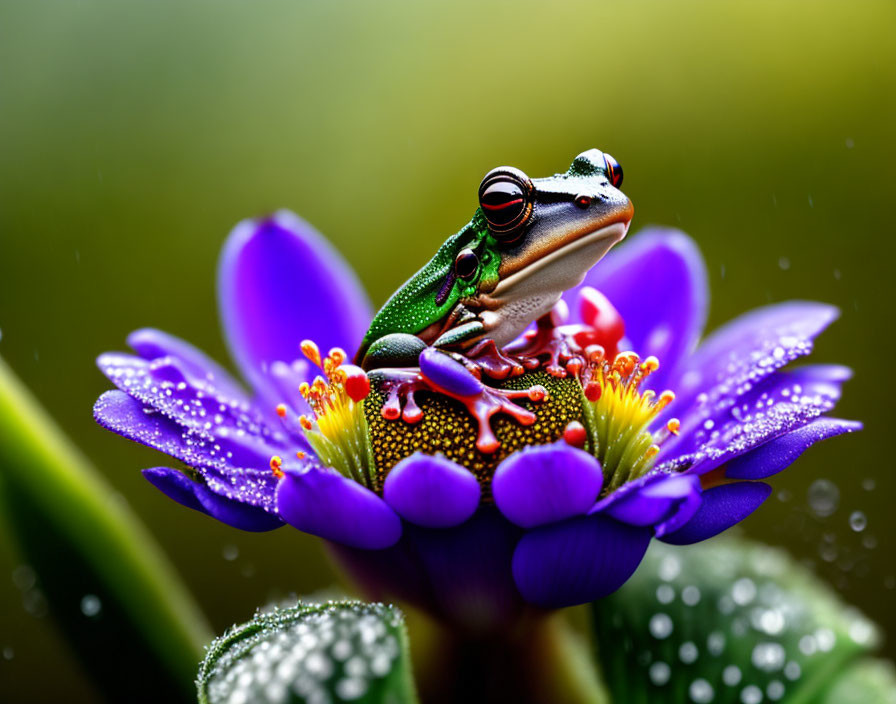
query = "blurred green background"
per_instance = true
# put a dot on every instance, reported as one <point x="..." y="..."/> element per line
<point x="133" y="136"/>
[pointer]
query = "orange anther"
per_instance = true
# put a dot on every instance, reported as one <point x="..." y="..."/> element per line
<point x="276" y="464"/>
<point x="300" y="455"/>
<point x="673" y="426"/>
<point x="310" y="350"/>
<point x="281" y="410"/>
<point x="337" y="354"/>
<point x="593" y="391"/>
<point x="306" y="422"/>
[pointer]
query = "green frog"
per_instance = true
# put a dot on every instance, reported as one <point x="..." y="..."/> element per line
<point x="528" y="242"/>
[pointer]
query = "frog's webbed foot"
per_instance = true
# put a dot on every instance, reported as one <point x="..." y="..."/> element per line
<point x="552" y="345"/>
<point x="441" y="373"/>
<point x="485" y="358"/>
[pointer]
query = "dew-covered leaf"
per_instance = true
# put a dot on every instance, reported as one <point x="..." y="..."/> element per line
<point x="725" y="621"/>
<point x="865" y="682"/>
<point x="340" y="651"/>
<point x="101" y="576"/>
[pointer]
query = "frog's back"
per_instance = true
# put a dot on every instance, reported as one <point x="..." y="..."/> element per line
<point x="413" y="308"/>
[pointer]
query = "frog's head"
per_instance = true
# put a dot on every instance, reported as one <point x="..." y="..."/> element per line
<point x="547" y="233"/>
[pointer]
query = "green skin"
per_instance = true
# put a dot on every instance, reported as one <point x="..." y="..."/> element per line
<point x="575" y="218"/>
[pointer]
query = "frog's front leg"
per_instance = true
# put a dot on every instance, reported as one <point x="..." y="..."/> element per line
<point x="441" y="373"/>
<point x="481" y="354"/>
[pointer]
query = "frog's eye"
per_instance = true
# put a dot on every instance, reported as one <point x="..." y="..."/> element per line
<point x="614" y="171"/>
<point x="505" y="196"/>
<point x="466" y="264"/>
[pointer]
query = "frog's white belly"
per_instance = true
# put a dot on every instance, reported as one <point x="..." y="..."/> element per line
<point x="529" y="294"/>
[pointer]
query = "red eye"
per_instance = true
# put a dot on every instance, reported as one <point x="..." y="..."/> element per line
<point x="505" y="199"/>
<point x="614" y="171"/>
<point x="583" y="201"/>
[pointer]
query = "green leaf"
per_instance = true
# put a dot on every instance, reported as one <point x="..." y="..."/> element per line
<point x="865" y="682"/>
<point x="110" y="589"/>
<point x="337" y="651"/>
<point x="725" y="621"/>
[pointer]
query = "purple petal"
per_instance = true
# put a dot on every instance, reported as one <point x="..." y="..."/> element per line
<point x="658" y="283"/>
<point x="280" y="282"/>
<point x="652" y="500"/>
<point x="777" y="405"/>
<point x="330" y="506"/>
<point x="126" y="416"/>
<point x="722" y="507"/>
<point x="578" y="560"/>
<point x="433" y="492"/>
<point x="747" y="350"/>
<point x="151" y="344"/>
<point x="778" y="454"/>
<point x="544" y="484"/>
<point x="178" y="486"/>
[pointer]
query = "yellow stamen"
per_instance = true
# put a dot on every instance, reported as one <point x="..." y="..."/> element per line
<point x="673" y="426"/>
<point x="281" y="410"/>
<point x="276" y="464"/>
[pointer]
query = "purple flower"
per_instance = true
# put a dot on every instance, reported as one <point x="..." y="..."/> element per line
<point x="553" y="524"/>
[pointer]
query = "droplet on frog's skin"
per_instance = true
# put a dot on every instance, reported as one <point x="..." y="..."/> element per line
<point x="660" y="626"/>
<point x="824" y="497"/>
<point x="659" y="673"/>
<point x="858" y="521"/>
<point x="701" y="691"/>
<point x="784" y="263"/>
<point x="868" y="484"/>
<point x="230" y="552"/>
<point x="91" y="605"/>
<point x="8" y="653"/>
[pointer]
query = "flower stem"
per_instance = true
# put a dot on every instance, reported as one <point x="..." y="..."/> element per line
<point x="541" y="660"/>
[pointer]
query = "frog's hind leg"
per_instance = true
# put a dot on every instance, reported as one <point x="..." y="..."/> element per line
<point x="395" y="350"/>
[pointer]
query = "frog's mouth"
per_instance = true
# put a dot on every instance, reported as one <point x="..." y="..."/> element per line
<point x="532" y="290"/>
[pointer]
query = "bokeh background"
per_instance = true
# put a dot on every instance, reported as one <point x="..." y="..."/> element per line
<point x="133" y="136"/>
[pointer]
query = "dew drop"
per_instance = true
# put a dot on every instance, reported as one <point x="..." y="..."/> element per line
<point x="731" y="675"/>
<point x="688" y="652"/>
<point x="230" y="552"/>
<point x="690" y="595"/>
<point x="659" y="673"/>
<point x="743" y="591"/>
<point x="701" y="691"/>
<point x="8" y="653"/>
<point x="783" y="263"/>
<point x="665" y="594"/>
<point x="768" y="656"/>
<point x="858" y="521"/>
<point x="751" y="694"/>
<point x="91" y="605"/>
<point x="660" y="626"/>
<point x="824" y="497"/>
<point x="775" y="690"/>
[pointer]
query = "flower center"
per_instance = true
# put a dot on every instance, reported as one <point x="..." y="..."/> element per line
<point x="618" y="413"/>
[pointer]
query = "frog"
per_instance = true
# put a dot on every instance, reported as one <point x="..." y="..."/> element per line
<point x="528" y="242"/>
